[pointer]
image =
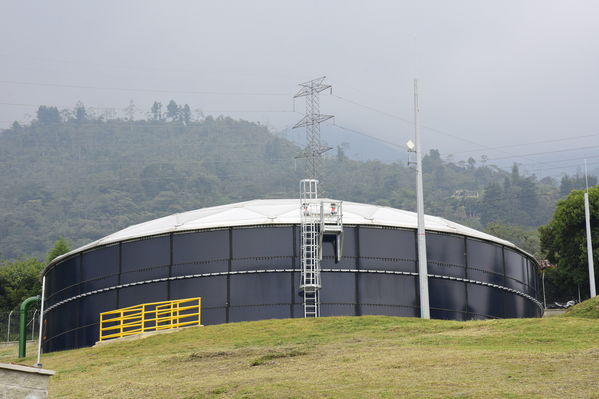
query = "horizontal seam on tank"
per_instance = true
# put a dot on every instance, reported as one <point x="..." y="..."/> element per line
<point x="200" y="262"/>
<point x="165" y="279"/>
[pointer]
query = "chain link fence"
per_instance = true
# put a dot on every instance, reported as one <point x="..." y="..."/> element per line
<point x="9" y="325"/>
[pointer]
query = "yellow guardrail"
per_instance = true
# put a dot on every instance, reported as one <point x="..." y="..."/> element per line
<point x="151" y="316"/>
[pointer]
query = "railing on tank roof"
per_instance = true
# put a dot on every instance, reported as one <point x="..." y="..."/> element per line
<point x="152" y="316"/>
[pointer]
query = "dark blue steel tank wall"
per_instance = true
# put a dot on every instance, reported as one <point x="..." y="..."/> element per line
<point x="375" y="276"/>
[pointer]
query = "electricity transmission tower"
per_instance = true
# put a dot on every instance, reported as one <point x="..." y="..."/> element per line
<point x="318" y="218"/>
<point x="314" y="149"/>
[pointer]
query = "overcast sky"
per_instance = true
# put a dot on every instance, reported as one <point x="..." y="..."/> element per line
<point x="491" y="74"/>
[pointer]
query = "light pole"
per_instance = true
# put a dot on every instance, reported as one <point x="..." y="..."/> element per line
<point x="587" y="215"/>
<point x="544" y="299"/>
<point x="421" y="232"/>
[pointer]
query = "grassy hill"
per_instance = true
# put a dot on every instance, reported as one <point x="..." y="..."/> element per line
<point x="342" y="357"/>
<point x="588" y="309"/>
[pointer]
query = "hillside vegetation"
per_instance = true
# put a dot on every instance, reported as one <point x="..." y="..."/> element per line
<point x="342" y="357"/>
<point x="68" y="174"/>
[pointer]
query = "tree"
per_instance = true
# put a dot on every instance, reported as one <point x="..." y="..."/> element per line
<point x="80" y="113"/>
<point x="19" y="280"/>
<point x="61" y="247"/>
<point x="492" y="205"/>
<point x="46" y="115"/>
<point x="563" y="239"/>
<point x="186" y="114"/>
<point x="515" y="173"/>
<point x="471" y="163"/>
<point x="569" y="183"/>
<point x="172" y="110"/>
<point x="527" y="239"/>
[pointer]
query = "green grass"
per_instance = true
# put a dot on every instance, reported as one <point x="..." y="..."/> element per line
<point x="342" y="357"/>
<point x="588" y="309"/>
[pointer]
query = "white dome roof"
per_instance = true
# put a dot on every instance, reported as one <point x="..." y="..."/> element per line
<point x="280" y="211"/>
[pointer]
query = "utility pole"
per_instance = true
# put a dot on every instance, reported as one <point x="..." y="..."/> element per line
<point x="422" y="262"/>
<point x="587" y="214"/>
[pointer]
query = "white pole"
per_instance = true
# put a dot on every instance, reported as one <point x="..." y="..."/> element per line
<point x="8" y="335"/>
<point x="587" y="214"/>
<point x="422" y="263"/>
<point x="544" y="299"/>
<point x="39" y="338"/>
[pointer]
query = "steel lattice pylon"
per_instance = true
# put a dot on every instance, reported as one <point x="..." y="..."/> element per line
<point x="314" y="149"/>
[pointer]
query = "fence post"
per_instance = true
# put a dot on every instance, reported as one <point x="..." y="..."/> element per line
<point x="171" y="314"/>
<point x="33" y="325"/>
<point x="8" y="335"/>
<point x="143" y="318"/>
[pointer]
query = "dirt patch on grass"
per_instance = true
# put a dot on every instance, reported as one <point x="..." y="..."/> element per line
<point x="270" y="356"/>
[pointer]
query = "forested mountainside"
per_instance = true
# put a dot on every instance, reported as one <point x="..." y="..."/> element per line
<point x="83" y="178"/>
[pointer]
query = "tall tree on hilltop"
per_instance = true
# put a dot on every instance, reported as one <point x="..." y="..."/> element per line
<point x="172" y="110"/>
<point x="186" y="114"/>
<point x="61" y="247"/>
<point x="80" y="113"/>
<point x="492" y="205"/>
<point x="46" y="115"/>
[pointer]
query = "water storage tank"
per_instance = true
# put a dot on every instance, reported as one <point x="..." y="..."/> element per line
<point x="243" y="260"/>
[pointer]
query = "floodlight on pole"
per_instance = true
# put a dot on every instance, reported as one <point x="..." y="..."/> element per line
<point x="422" y="261"/>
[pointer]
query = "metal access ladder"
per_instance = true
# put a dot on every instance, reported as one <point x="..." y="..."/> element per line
<point x="318" y="218"/>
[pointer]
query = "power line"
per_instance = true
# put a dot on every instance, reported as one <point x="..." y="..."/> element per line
<point x="433" y="129"/>
<point x="531" y="143"/>
<point x="145" y="90"/>
<point x="565" y="166"/>
<point x="499" y="148"/>
<point x="548" y="152"/>
<point x="367" y="135"/>
<point x="140" y="110"/>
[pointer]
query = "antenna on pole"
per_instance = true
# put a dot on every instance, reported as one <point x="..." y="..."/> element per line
<point x="587" y="216"/>
<point x="422" y="262"/>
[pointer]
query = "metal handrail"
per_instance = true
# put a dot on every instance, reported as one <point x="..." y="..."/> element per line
<point x="152" y="316"/>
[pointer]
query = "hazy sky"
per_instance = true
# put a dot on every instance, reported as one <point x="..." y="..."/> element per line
<point x="491" y="74"/>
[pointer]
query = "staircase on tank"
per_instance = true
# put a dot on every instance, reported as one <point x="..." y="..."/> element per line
<point x="319" y="218"/>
